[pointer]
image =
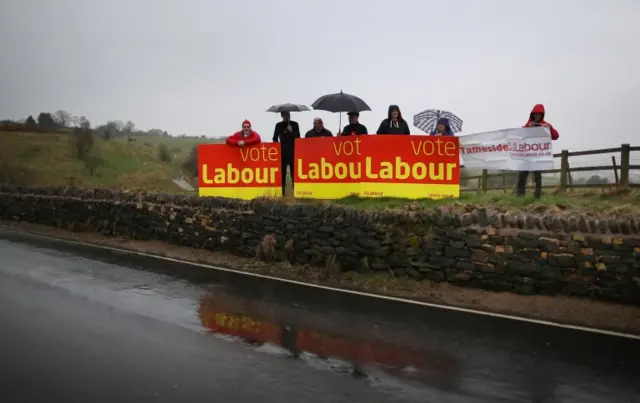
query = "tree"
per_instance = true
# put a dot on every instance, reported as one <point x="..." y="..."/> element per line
<point x="82" y="141"/>
<point x="129" y="127"/>
<point x="84" y="123"/>
<point x="114" y="126"/>
<point x="46" y="121"/>
<point x="31" y="122"/>
<point x="63" y="118"/>
<point x="597" y="180"/>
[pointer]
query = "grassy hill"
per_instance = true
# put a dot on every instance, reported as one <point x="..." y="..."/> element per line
<point x="48" y="159"/>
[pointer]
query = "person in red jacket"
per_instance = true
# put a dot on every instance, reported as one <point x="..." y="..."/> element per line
<point x="536" y="118"/>
<point x="245" y="137"/>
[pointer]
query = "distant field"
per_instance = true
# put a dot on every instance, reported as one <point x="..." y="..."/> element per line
<point x="47" y="159"/>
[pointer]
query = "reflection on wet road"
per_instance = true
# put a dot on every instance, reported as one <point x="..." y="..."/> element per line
<point x="77" y="328"/>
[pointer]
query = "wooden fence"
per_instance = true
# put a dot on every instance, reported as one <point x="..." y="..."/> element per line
<point x="621" y="172"/>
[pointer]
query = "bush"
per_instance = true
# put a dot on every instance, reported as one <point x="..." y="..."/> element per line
<point x="190" y="165"/>
<point x="163" y="153"/>
<point x="82" y="141"/>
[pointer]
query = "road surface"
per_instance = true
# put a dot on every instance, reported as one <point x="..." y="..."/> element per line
<point x="90" y="327"/>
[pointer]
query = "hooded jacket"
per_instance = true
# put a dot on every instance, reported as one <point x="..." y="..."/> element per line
<point x="252" y="139"/>
<point x="388" y="126"/>
<point x="539" y="108"/>
<point x="447" y="126"/>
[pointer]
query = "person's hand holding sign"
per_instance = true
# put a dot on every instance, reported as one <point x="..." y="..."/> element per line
<point x="241" y="143"/>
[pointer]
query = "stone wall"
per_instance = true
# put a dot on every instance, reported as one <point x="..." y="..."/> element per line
<point x="595" y="258"/>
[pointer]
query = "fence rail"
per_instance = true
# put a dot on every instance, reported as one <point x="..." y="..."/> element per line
<point x="487" y="180"/>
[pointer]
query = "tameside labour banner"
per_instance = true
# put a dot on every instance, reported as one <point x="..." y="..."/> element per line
<point x="522" y="149"/>
<point x="239" y="172"/>
<point x="411" y="167"/>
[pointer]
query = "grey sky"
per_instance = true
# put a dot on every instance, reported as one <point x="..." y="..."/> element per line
<point x="201" y="67"/>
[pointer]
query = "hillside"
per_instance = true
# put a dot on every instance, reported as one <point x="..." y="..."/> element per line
<point x="48" y="159"/>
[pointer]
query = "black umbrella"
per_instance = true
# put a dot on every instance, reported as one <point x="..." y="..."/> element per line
<point x="288" y="108"/>
<point x="340" y="102"/>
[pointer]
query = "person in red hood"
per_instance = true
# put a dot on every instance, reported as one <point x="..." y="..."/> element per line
<point x="536" y="118"/>
<point x="245" y="137"/>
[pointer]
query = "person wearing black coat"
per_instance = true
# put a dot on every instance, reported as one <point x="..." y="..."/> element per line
<point x="286" y="133"/>
<point x="394" y="123"/>
<point x="318" y="130"/>
<point x="354" y="128"/>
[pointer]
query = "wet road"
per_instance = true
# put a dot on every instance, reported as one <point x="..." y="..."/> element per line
<point x="85" y="325"/>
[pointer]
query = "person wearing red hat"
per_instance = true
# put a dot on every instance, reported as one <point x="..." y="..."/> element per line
<point x="536" y="118"/>
<point x="245" y="137"/>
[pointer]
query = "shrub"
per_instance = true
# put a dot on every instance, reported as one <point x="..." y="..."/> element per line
<point x="190" y="165"/>
<point x="82" y="141"/>
<point x="163" y="153"/>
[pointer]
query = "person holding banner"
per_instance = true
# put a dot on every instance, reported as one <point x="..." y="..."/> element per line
<point x="394" y="123"/>
<point x="536" y="118"/>
<point x="443" y="128"/>
<point x="245" y="137"/>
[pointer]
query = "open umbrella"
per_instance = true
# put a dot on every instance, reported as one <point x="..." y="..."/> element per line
<point x="288" y="108"/>
<point x="340" y="102"/>
<point x="428" y="120"/>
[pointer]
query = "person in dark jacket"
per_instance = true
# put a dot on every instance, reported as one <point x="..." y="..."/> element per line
<point x="286" y="132"/>
<point x="443" y="128"/>
<point x="318" y="130"/>
<point x="354" y="128"/>
<point x="394" y="123"/>
<point x="536" y="118"/>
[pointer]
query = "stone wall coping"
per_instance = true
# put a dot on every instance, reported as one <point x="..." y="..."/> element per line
<point x="478" y="217"/>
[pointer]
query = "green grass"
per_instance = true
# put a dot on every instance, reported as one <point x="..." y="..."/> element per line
<point x="589" y="202"/>
<point x="47" y="159"/>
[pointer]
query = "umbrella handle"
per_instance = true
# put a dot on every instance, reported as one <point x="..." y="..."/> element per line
<point x="339" y="123"/>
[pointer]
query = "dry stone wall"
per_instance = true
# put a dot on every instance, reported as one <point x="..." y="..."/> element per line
<point x="581" y="256"/>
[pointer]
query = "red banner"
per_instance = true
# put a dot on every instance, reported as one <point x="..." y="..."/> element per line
<point x="239" y="172"/>
<point x="378" y="166"/>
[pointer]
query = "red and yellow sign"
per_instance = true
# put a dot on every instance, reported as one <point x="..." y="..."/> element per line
<point x="412" y="167"/>
<point x="239" y="172"/>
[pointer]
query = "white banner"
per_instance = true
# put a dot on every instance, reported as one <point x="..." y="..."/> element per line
<point x="522" y="149"/>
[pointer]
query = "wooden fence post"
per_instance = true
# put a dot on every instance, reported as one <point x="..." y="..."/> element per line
<point x="615" y="169"/>
<point x="564" y="169"/>
<point x="624" y="165"/>
<point x="485" y="180"/>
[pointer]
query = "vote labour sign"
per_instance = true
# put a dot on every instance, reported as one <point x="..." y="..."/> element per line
<point x="377" y="166"/>
<point x="239" y="172"/>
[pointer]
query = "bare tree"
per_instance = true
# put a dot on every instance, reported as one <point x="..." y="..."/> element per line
<point x="129" y="127"/>
<point x="63" y="118"/>
<point x="84" y="123"/>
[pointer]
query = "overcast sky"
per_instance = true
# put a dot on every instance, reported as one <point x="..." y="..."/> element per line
<point x="201" y="67"/>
